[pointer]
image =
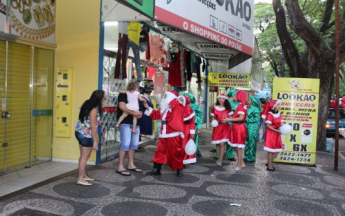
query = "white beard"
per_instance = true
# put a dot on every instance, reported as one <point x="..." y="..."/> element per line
<point x="166" y="101"/>
<point x="163" y="106"/>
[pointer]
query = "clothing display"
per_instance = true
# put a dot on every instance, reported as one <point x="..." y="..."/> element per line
<point x="221" y="133"/>
<point x="189" y="65"/>
<point x="197" y="69"/>
<point x="175" y="77"/>
<point x="158" y="82"/>
<point x="121" y="58"/>
<point x="136" y="51"/>
<point x="253" y="118"/>
<point x="146" y="123"/>
<point x="150" y="71"/>
<point x="134" y="29"/>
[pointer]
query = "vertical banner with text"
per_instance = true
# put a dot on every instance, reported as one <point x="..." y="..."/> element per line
<point x="299" y="108"/>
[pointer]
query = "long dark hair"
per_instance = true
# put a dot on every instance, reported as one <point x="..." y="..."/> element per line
<point x="95" y="101"/>
<point x="226" y="104"/>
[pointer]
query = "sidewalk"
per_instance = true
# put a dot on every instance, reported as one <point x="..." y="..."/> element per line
<point x="204" y="190"/>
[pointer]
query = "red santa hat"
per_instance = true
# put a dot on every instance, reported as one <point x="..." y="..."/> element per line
<point x="182" y="100"/>
<point x="222" y="96"/>
<point x="270" y="106"/>
<point x="242" y="96"/>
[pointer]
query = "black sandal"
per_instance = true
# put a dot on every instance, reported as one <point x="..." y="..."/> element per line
<point x="135" y="170"/>
<point x="122" y="172"/>
<point x="270" y="169"/>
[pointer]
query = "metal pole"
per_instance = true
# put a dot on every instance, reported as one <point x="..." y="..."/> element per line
<point x="5" y="119"/>
<point x="32" y="103"/>
<point x="337" y="63"/>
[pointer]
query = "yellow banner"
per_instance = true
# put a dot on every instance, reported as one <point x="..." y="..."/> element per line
<point x="299" y="108"/>
<point x="228" y="80"/>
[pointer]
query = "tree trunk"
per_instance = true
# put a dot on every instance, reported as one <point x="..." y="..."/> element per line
<point x="325" y="72"/>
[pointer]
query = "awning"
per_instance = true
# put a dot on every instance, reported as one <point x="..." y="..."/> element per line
<point x="212" y="30"/>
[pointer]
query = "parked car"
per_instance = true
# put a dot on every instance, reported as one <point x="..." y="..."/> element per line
<point x="330" y="125"/>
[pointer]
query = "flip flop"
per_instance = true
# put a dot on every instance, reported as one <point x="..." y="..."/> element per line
<point x="123" y="172"/>
<point x="135" y="170"/>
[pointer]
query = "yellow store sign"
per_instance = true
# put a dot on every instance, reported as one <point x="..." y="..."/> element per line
<point x="299" y="108"/>
<point x="228" y="80"/>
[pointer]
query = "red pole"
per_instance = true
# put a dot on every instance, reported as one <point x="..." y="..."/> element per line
<point x="337" y="63"/>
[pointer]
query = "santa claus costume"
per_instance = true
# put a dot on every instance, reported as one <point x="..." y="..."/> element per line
<point x="273" y="142"/>
<point x="169" y="147"/>
<point x="238" y="140"/>
<point x="221" y="133"/>
<point x="221" y="129"/>
<point x="189" y="129"/>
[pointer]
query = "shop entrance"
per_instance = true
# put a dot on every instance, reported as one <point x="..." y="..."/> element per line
<point x="26" y="89"/>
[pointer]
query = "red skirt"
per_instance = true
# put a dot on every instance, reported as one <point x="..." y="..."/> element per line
<point x="239" y="135"/>
<point x="221" y="134"/>
<point x="188" y="159"/>
<point x="273" y="141"/>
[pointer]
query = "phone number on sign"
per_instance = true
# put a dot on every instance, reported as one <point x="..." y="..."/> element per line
<point x="293" y="159"/>
<point x="293" y="154"/>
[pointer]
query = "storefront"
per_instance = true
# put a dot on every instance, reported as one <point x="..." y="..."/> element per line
<point x="45" y="78"/>
<point x="27" y="44"/>
<point x="211" y="35"/>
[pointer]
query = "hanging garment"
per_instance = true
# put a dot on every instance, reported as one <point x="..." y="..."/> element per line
<point x="150" y="72"/>
<point x="121" y="58"/>
<point x="158" y="82"/>
<point x="155" y="49"/>
<point x="174" y="78"/>
<point x="197" y="69"/>
<point x="134" y="29"/>
<point x="189" y="65"/>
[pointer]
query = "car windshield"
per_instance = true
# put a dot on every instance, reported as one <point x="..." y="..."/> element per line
<point x="331" y="113"/>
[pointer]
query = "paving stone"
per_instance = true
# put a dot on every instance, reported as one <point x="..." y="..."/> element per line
<point x="205" y="189"/>
<point x="134" y="209"/>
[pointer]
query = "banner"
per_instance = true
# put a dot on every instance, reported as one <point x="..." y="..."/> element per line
<point x="144" y="6"/>
<point x="3" y="11"/>
<point x="33" y="19"/>
<point x="229" y="23"/>
<point x="234" y="80"/>
<point x="299" y="108"/>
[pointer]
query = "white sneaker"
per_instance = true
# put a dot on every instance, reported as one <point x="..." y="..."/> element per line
<point x="243" y="165"/>
<point x="218" y="163"/>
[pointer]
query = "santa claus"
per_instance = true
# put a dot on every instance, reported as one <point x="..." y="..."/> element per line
<point x="169" y="147"/>
<point x="189" y="129"/>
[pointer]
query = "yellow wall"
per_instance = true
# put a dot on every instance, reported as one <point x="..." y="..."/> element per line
<point x="77" y="39"/>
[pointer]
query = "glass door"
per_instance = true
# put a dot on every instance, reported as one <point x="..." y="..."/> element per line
<point x="42" y="110"/>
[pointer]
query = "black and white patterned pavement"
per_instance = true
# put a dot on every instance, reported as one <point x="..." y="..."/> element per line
<point x="204" y="190"/>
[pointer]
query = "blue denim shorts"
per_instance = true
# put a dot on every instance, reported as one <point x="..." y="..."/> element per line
<point x="84" y="141"/>
<point x="128" y="139"/>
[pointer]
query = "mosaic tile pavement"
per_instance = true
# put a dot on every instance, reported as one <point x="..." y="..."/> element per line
<point x="204" y="190"/>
